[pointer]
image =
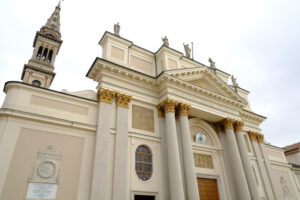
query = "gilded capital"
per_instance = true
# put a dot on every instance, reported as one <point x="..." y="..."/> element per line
<point x="170" y="105"/>
<point x="238" y="126"/>
<point x="260" y="138"/>
<point x="105" y="95"/>
<point x="183" y="109"/>
<point x="122" y="100"/>
<point x="219" y="128"/>
<point x="252" y="135"/>
<point x="160" y="110"/>
<point x="228" y="123"/>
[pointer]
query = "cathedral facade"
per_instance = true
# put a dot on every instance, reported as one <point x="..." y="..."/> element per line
<point x="161" y="126"/>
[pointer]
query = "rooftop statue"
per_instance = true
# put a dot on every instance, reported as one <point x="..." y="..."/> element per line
<point x="234" y="83"/>
<point x="187" y="50"/>
<point x="117" y="29"/>
<point x="212" y="64"/>
<point x="165" y="41"/>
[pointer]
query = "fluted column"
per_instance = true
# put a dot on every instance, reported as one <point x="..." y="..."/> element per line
<point x="187" y="153"/>
<point x="246" y="161"/>
<point x="99" y="181"/>
<point x="175" y="176"/>
<point x="236" y="163"/>
<point x="120" y="186"/>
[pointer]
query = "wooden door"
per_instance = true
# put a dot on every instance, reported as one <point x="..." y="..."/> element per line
<point x="208" y="189"/>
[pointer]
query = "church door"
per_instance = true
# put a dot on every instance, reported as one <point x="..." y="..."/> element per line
<point x="208" y="189"/>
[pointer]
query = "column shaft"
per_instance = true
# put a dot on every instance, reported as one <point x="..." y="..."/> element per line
<point x="120" y="187"/>
<point x="237" y="167"/>
<point x="100" y="171"/>
<point x="247" y="165"/>
<point x="175" y="177"/>
<point x="187" y="154"/>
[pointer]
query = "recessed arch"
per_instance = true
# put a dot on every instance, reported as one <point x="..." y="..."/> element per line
<point x="207" y="129"/>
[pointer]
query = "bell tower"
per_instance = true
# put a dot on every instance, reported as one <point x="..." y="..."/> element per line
<point x="40" y="68"/>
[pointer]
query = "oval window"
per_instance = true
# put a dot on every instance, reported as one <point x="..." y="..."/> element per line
<point x="143" y="162"/>
<point x="36" y="83"/>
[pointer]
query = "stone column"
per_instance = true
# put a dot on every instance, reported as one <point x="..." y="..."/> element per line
<point x="187" y="153"/>
<point x="235" y="160"/>
<point x="175" y="176"/>
<point x="100" y="171"/>
<point x="246" y="161"/>
<point x="120" y="190"/>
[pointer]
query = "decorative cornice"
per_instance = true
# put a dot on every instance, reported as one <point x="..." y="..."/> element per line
<point x="105" y="95"/>
<point x="122" y="100"/>
<point x="183" y="109"/>
<point x="238" y="125"/>
<point x="227" y="123"/>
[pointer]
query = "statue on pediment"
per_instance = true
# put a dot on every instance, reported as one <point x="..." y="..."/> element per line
<point x="165" y="41"/>
<point x="117" y="29"/>
<point x="212" y="64"/>
<point x="187" y="50"/>
<point x="234" y="83"/>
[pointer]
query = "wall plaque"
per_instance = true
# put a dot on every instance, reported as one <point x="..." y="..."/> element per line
<point x="41" y="191"/>
<point x="203" y="161"/>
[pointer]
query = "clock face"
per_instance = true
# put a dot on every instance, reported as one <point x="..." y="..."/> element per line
<point x="46" y="169"/>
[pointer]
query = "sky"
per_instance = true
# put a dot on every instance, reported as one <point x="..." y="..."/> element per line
<point x="257" y="41"/>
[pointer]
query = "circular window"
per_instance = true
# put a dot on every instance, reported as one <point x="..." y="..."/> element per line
<point x="143" y="162"/>
<point x="36" y="83"/>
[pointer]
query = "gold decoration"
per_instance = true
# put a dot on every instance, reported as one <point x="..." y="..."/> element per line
<point x="228" y="123"/>
<point x="203" y="161"/>
<point x="105" y="95"/>
<point x="122" y="100"/>
<point x="252" y="135"/>
<point x="238" y="126"/>
<point x="160" y="110"/>
<point x="260" y="138"/>
<point x="169" y="105"/>
<point x="183" y="109"/>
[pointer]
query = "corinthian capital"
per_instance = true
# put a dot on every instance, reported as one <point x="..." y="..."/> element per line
<point x="260" y="138"/>
<point x="238" y="126"/>
<point x="183" y="109"/>
<point x="228" y="123"/>
<point x="160" y="110"/>
<point x="252" y="135"/>
<point x="105" y="95"/>
<point x="169" y="105"/>
<point x="123" y="100"/>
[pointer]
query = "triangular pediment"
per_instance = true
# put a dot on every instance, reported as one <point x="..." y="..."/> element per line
<point x="206" y="79"/>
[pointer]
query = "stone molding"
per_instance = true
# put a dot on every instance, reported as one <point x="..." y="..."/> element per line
<point x="256" y="137"/>
<point x="123" y="100"/>
<point x="105" y="95"/>
<point x="183" y="109"/>
<point x="238" y="126"/>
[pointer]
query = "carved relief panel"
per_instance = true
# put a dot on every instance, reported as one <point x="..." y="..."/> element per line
<point x="203" y="161"/>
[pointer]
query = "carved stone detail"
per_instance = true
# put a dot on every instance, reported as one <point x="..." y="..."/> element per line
<point x="238" y="126"/>
<point x="260" y="138"/>
<point x="160" y="110"/>
<point x="228" y="123"/>
<point x="203" y="161"/>
<point x="169" y="105"/>
<point x="256" y="136"/>
<point x="105" y="95"/>
<point x="47" y="165"/>
<point x="183" y="109"/>
<point x="123" y="100"/>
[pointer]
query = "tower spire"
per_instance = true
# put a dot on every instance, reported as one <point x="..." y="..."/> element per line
<point x="40" y="68"/>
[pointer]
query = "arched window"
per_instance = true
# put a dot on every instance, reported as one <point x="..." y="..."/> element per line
<point x="39" y="54"/>
<point x="45" y="54"/>
<point x="50" y="56"/>
<point x="36" y="83"/>
<point x="143" y="162"/>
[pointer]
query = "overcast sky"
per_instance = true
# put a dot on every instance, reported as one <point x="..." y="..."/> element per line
<point x="258" y="41"/>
